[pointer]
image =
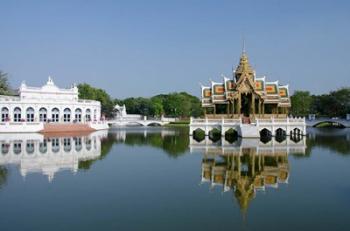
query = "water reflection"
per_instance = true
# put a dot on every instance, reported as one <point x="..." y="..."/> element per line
<point x="246" y="166"/>
<point x="334" y="139"/>
<point x="48" y="155"/>
<point x="174" y="142"/>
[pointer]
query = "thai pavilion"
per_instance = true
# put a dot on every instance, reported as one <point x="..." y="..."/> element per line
<point x="249" y="105"/>
<point x="245" y="94"/>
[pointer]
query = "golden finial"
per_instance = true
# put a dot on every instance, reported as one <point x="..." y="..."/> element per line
<point x="243" y="46"/>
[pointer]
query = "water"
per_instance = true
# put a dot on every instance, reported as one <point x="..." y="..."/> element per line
<point x="160" y="179"/>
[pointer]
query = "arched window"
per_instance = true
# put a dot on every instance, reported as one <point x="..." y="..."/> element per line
<point x="30" y="114"/>
<point x="17" y="147"/>
<point x="88" y="143"/>
<point x="95" y="115"/>
<point x="4" y="114"/>
<point x="17" y="114"/>
<point x="78" y="145"/>
<point x="88" y="115"/>
<point x="43" y="146"/>
<point x="78" y="115"/>
<point x="55" y="115"/>
<point x="67" y="144"/>
<point x="30" y="147"/>
<point x="42" y="115"/>
<point x="55" y="145"/>
<point x="66" y="115"/>
<point x="5" y="148"/>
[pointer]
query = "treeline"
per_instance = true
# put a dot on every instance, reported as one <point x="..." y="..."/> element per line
<point x="174" y="104"/>
<point x="334" y="104"/>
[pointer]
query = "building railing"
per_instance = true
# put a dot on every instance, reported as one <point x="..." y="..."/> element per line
<point x="66" y="90"/>
<point x="257" y="121"/>
<point x="20" y="123"/>
<point x="87" y="101"/>
<point x="4" y="98"/>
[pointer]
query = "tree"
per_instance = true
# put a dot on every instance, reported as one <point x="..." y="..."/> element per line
<point x="4" y="85"/>
<point x="336" y="103"/>
<point x="180" y="104"/>
<point x="301" y="103"/>
<point x="341" y="99"/>
<point x="88" y="92"/>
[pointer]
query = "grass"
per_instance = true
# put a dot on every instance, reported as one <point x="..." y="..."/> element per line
<point x="328" y="124"/>
<point x="182" y="123"/>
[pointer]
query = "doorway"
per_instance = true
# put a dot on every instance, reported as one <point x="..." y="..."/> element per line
<point x="246" y="104"/>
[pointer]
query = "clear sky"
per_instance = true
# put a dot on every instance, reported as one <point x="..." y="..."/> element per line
<point x="143" y="48"/>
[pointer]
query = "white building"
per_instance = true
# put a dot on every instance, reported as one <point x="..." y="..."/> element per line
<point x="36" y="106"/>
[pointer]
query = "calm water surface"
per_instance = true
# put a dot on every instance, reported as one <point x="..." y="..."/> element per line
<point x="160" y="179"/>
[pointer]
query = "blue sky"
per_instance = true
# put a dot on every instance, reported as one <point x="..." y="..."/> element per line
<point x="143" y="48"/>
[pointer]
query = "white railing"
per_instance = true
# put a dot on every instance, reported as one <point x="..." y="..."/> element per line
<point x="4" y="98"/>
<point x="20" y="123"/>
<point x="87" y="101"/>
<point x="65" y="90"/>
<point x="264" y="121"/>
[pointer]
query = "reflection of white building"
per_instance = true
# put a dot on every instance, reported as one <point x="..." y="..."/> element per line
<point x="34" y="153"/>
<point x="35" y="106"/>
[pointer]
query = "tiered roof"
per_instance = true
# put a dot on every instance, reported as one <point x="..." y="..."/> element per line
<point x="245" y="81"/>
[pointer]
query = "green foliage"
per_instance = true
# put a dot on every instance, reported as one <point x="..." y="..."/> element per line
<point x="88" y="92"/>
<point x="3" y="176"/>
<point x="179" y="104"/>
<point x="301" y="103"/>
<point x="336" y="103"/>
<point x="4" y="85"/>
<point x="139" y="105"/>
<point x="174" y="104"/>
<point x="173" y="145"/>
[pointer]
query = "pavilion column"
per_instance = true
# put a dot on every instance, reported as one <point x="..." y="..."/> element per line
<point x="239" y="104"/>
<point x="233" y="107"/>
<point x="263" y="108"/>
<point x="253" y="104"/>
<point x="228" y="108"/>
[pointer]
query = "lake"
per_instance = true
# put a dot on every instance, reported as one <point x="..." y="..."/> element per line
<point x="162" y="179"/>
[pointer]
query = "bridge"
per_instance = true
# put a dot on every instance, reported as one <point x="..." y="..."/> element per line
<point x="122" y="119"/>
<point x="336" y="121"/>
<point x="138" y="120"/>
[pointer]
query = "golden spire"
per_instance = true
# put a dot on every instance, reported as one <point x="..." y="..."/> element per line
<point x="244" y="66"/>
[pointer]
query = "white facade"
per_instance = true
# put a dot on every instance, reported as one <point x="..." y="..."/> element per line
<point x="48" y="104"/>
<point x="288" y="126"/>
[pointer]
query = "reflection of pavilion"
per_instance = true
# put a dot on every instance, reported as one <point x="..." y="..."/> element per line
<point x="35" y="153"/>
<point x="247" y="166"/>
<point x="272" y="146"/>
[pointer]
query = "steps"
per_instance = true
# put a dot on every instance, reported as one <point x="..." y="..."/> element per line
<point x="66" y="127"/>
<point x="249" y="131"/>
